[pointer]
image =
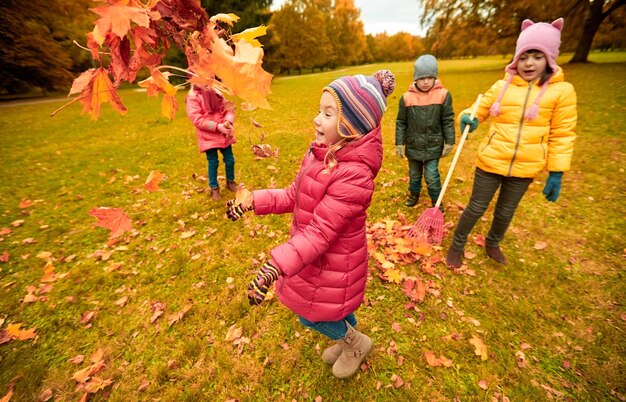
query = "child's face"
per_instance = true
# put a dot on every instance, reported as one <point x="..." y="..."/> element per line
<point x="326" y="120"/>
<point x="425" y="84"/>
<point x="531" y="66"/>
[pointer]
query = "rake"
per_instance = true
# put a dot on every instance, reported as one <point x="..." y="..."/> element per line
<point x="429" y="226"/>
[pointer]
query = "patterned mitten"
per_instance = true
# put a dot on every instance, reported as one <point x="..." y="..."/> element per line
<point x="257" y="288"/>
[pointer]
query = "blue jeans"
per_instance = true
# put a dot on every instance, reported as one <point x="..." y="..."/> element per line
<point x="332" y="329"/>
<point x="229" y="162"/>
<point x="430" y="171"/>
<point x="512" y="189"/>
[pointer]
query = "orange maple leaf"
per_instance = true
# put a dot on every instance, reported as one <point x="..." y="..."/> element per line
<point x="116" y="19"/>
<point x="15" y="332"/>
<point x="153" y="180"/>
<point x="95" y="88"/>
<point x="113" y="219"/>
<point x="244" y="197"/>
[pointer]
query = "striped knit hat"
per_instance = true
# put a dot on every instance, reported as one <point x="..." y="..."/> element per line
<point x="362" y="101"/>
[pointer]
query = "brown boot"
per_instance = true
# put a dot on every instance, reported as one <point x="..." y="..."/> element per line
<point x="215" y="194"/>
<point x="453" y="258"/>
<point x="332" y="353"/>
<point x="496" y="254"/>
<point x="232" y="185"/>
<point x="355" y="347"/>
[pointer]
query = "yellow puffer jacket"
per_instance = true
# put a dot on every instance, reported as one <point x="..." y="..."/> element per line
<point x="519" y="148"/>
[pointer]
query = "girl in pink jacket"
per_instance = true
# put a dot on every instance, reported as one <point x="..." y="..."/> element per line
<point x="213" y="116"/>
<point x="322" y="270"/>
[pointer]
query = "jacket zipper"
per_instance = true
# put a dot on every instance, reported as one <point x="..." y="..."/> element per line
<point x="295" y="209"/>
<point x="519" y="131"/>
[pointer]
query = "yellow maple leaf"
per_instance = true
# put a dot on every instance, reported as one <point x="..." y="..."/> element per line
<point x="250" y="35"/>
<point x="395" y="275"/>
<point x="158" y="83"/>
<point x="229" y="19"/>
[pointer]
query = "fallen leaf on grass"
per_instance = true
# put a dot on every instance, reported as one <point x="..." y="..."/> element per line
<point x="540" y="245"/>
<point x="174" y="318"/>
<point x="480" y="347"/>
<point x="434" y="361"/>
<point x="16" y="333"/>
<point x="5" y="231"/>
<point x="121" y="302"/>
<point x="87" y="316"/>
<point x="25" y="204"/>
<point x="113" y="219"/>
<point x="153" y="180"/>
<point x="483" y="385"/>
<point x="78" y="359"/>
<point x="233" y="333"/>
<point x="4" y="257"/>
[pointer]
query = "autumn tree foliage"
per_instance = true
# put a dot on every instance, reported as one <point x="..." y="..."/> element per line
<point x="471" y="28"/>
<point x="36" y="46"/>
<point x="130" y="35"/>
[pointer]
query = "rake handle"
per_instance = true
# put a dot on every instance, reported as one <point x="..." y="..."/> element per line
<point x="457" y="153"/>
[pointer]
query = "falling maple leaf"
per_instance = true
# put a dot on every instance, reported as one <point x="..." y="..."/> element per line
<point x="113" y="219"/>
<point x="95" y="88"/>
<point x="116" y="19"/>
<point x="250" y="35"/>
<point x="153" y="180"/>
<point x="158" y="83"/>
<point x="228" y="19"/>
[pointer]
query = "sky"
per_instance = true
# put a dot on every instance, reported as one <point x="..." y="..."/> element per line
<point x="391" y="16"/>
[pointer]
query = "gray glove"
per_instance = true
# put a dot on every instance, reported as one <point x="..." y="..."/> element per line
<point x="400" y="151"/>
<point x="446" y="149"/>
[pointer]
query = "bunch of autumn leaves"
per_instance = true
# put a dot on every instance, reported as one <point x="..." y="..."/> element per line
<point x="130" y="35"/>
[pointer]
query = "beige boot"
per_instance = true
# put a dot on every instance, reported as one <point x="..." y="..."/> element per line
<point x="355" y="347"/>
<point x="332" y="353"/>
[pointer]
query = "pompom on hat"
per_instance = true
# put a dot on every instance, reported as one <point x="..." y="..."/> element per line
<point x="534" y="36"/>
<point x="362" y="101"/>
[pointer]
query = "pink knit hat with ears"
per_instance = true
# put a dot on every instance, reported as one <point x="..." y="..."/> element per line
<point x="534" y="36"/>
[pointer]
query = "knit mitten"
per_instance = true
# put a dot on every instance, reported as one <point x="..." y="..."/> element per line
<point x="257" y="288"/>
<point x="553" y="186"/>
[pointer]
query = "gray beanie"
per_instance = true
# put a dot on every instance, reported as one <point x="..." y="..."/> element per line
<point x="425" y="66"/>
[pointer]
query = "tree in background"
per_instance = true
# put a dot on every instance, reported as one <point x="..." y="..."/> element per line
<point x="36" y="43"/>
<point x="347" y="34"/>
<point x="397" y="47"/>
<point x="470" y="28"/>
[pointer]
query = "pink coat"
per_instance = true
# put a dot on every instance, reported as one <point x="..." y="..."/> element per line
<point x="206" y="109"/>
<point x="324" y="264"/>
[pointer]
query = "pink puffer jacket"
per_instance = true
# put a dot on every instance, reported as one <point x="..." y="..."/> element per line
<point x="206" y="109"/>
<point x="324" y="264"/>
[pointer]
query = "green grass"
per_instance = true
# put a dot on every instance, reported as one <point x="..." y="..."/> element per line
<point x="565" y="301"/>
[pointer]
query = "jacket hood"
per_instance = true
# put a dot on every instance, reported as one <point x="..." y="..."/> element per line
<point x="368" y="150"/>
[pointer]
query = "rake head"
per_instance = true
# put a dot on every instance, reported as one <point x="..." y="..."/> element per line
<point x="429" y="227"/>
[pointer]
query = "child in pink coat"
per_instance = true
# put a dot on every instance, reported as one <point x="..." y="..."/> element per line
<point x="213" y="116"/>
<point x="321" y="271"/>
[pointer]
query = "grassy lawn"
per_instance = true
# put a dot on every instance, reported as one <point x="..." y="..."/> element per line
<point x="553" y="320"/>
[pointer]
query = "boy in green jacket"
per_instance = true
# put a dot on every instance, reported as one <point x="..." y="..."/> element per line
<point x="424" y="128"/>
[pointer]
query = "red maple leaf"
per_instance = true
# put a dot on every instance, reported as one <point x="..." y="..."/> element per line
<point x="112" y="218"/>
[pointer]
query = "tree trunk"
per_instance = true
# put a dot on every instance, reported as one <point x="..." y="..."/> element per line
<point x="592" y="23"/>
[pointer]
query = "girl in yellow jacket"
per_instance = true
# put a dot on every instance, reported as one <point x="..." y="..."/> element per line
<point x="533" y="113"/>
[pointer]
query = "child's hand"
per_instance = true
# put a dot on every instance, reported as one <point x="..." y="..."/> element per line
<point x="243" y="202"/>
<point x="446" y="150"/>
<point x="465" y="120"/>
<point x="224" y="128"/>
<point x="553" y="186"/>
<point x="400" y="151"/>
<point x="257" y="288"/>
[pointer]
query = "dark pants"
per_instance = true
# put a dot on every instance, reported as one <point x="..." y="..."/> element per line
<point x="229" y="162"/>
<point x="431" y="175"/>
<point x="512" y="189"/>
